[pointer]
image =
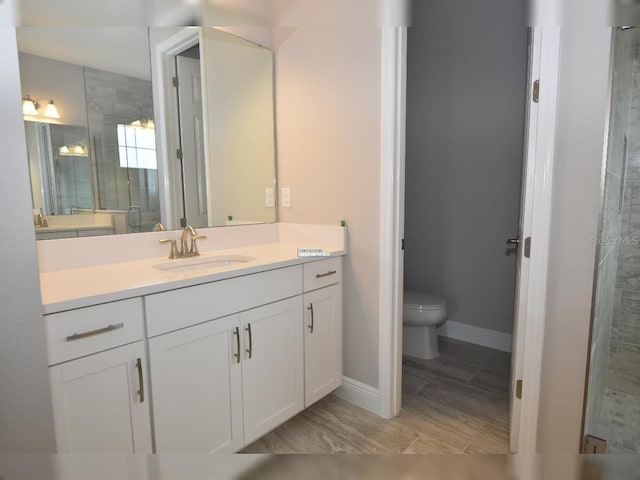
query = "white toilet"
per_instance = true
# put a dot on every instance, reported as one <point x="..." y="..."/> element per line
<point x="422" y="314"/>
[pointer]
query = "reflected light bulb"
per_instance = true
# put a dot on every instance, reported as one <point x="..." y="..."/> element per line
<point x="51" y="111"/>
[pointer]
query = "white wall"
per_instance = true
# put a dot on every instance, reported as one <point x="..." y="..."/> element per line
<point x="26" y="421"/>
<point x="241" y="136"/>
<point x="466" y="72"/>
<point x="328" y="113"/>
<point x="582" y="114"/>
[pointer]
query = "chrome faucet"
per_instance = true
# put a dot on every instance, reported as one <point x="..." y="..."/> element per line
<point x="188" y="244"/>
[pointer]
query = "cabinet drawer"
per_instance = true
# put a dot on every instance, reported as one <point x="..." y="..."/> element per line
<point x="84" y="331"/>
<point x="322" y="273"/>
<point x="184" y="307"/>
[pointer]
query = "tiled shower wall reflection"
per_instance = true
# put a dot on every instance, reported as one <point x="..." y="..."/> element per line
<point x="613" y="398"/>
<point x="114" y="99"/>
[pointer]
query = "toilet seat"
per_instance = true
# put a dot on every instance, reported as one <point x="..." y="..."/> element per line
<point x="423" y="301"/>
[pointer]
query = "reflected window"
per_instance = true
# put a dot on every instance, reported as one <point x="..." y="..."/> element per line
<point x="137" y="147"/>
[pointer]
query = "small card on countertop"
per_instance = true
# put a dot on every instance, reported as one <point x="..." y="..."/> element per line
<point x="312" y="252"/>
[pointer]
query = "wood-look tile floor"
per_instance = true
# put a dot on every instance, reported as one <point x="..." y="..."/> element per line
<point x="456" y="403"/>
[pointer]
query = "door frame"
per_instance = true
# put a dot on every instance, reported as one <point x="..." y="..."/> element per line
<point x="166" y="118"/>
<point x="393" y="101"/>
<point x="392" y="184"/>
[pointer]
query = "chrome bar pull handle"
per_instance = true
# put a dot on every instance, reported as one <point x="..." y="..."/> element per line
<point x="110" y="328"/>
<point x="236" y="332"/>
<point x="250" y="349"/>
<point x="310" y="308"/>
<point x="321" y="275"/>
<point x="140" y="380"/>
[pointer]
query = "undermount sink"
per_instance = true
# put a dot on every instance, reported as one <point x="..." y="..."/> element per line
<point x="202" y="262"/>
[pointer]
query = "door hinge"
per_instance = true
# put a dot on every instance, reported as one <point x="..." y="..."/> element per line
<point x="402" y="244"/>
<point x="519" y="389"/>
<point x="179" y="154"/>
<point x="175" y="82"/>
<point x="527" y="247"/>
<point x="593" y="444"/>
<point x="536" y="91"/>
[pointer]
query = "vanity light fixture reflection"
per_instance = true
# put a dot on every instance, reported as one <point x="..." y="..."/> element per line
<point x="51" y="111"/>
<point x="143" y="123"/>
<point x="31" y="106"/>
<point x="73" y="151"/>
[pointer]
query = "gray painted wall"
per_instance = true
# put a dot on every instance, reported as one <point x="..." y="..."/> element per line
<point x="465" y="119"/>
<point x="26" y="418"/>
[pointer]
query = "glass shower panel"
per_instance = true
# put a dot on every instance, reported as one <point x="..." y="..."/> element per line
<point x="72" y="168"/>
<point x="612" y="408"/>
<point x="120" y="113"/>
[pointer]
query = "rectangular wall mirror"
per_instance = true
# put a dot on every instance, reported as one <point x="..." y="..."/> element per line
<point x="128" y="128"/>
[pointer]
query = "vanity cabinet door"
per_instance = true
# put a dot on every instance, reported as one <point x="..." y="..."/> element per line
<point x="272" y="366"/>
<point x="197" y="388"/>
<point x="322" y="342"/>
<point x="101" y="402"/>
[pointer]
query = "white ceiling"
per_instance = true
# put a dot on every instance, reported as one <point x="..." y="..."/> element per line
<point x="62" y="13"/>
<point x="112" y="34"/>
<point x="123" y="50"/>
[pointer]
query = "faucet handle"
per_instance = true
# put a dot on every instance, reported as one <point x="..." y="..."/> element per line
<point x="174" y="248"/>
<point x="194" y="245"/>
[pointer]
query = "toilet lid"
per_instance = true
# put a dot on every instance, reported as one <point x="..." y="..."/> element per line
<point x="422" y="301"/>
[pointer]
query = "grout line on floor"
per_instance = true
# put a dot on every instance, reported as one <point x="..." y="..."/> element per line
<point x="474" y="436"/>
<point x="412" y="443"/>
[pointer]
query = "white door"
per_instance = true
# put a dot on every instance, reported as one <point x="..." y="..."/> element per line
<point x="191" y="132"/>
<point x="101" y="402"/>
<point x="322" y="343"/>
<point x="532" y="174"/>
<point x="197" y="397"/>
<point x="272" y="366"/>
<point x="524" y="231"/>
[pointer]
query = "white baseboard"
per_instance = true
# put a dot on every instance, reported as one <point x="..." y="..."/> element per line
<point x="359" y="394"/>
<point x="479" y="336"/>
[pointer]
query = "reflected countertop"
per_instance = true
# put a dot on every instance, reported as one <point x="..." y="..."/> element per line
<point x="72" y="228"/>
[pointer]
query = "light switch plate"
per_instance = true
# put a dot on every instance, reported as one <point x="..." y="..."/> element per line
<point x="268" y="197"/>
<point x="286" y="197"/>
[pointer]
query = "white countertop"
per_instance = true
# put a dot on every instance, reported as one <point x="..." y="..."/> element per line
<point x="81" y="287"/>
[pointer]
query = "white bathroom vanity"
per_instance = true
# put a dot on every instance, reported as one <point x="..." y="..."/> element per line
<point x="195" y="358"/>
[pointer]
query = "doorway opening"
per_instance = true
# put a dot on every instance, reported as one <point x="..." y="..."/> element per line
<point x="190" y="133"/>
<point x="468" y="94"/>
